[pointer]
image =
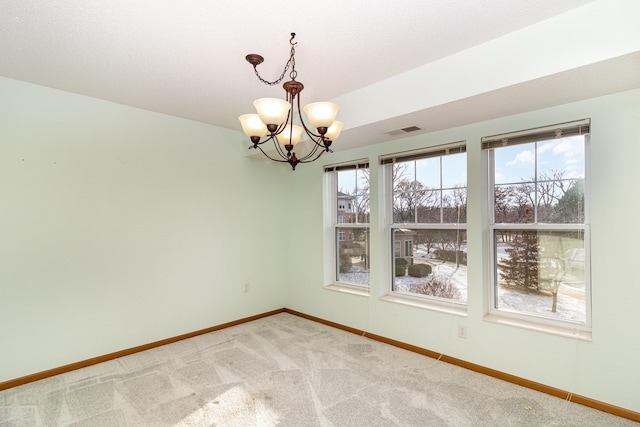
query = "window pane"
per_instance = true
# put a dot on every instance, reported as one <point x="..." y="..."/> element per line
<point x="353" y="196"/>
<point x="515" y="164"/>
<point x="564" y="155"/>
<point x="454" y="206"/>
<point x="404" y="205"/>
<point x="431" y="263"/>
<point x="541" y="273"/>
<point x="560" y="200"/>
<point x="454" y="170"/>
<point x="353" y="255"/>
<point x="513" y="203"/>
<point x="429" y="206"/>
<point x="428" y="172"/>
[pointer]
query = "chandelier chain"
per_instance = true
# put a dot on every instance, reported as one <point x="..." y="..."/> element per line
<point x="290" y="63"/>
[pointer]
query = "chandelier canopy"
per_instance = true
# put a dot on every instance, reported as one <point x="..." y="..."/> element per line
<point x="282" y="122"/>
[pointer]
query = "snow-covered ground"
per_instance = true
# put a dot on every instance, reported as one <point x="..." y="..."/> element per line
<point x="570" y="305"/>
<point x="458" y="277"/>
<point x="571" y="295"/>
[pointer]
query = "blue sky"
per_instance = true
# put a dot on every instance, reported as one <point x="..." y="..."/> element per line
<point x="517" y="163"/>
<point x="513" y="164"/>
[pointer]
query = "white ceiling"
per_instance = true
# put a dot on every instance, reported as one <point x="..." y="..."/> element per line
<point x="186" y="58"/>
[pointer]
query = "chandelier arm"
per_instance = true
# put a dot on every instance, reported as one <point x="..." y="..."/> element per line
<point x="313" y="151"/>
<point x="280" y="150"/>
<point x="277" y="147"/>
<point x="283" y="160"/>
<point x="312" y="135"/>
<point x="304" y="160"/>
<point x="277" y="132"/>
<point x="324" y="149"/>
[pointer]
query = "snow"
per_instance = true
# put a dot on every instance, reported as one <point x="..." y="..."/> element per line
<point x="571" y="304"/>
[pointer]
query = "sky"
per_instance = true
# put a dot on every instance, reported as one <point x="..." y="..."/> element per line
<point x="517" y="163"/>
<point x="513" y="164"/>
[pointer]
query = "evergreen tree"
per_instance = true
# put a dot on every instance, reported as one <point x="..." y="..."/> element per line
<point x="520" y="269"/>
<point x="570" y="208"/>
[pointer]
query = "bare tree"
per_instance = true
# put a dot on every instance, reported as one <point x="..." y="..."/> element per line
<point x="408" y="197"/>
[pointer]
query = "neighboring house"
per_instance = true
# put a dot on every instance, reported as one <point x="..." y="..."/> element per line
<point x="346" y="215"/>
<point x="346" y="208"/>
<point x="403" y="243"/>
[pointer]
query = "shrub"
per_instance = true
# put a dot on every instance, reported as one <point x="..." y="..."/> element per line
<point x="419" y="270"/>
<point x="402" y="261"/>
<point x="437" y="286"/>
<point x="345" y="263"/>
<point x="450" y="256"/>
<point x="350" y="245"/>
<point x="400" y="266"/>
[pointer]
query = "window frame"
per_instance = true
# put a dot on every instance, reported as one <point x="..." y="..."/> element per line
<point x="334" y="227"/>
<point x="521" y="318"/>
<point x="387" y="162"/>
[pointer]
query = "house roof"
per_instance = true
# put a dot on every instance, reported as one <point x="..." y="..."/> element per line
<point x="342" y="195"/>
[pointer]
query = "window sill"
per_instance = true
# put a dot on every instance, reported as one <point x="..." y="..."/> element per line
<point x="575" y="333"/>
<point x="443" y="307"/>
<point x="348" y="289"/>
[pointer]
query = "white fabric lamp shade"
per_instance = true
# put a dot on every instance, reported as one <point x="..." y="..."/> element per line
<point x="321" y="114"/>
<point x="272" y="111"/>
<point x="252" y="125"/>
<point x="334" y="130"/>
<point x="290" y="135"/>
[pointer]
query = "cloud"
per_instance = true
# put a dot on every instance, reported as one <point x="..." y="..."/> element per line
<point x="523" y="158"/>
<point x="571" y="149"/>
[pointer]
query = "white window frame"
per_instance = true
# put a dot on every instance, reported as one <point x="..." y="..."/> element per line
<point x="523" y="319"/>
<point x="423" y="301"/>
<point x="408" y="248"/>
<point x="333" y="228"/>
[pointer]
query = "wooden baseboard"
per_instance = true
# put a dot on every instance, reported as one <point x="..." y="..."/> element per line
<point x="592" y="403"/>
<point x="576" y="398"/>
<point x="100" y="359"/>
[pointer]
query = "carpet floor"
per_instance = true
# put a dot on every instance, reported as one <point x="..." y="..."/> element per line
<point x="287" y="371"/>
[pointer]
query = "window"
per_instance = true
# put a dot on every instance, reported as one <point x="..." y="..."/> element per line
<point x="408" y="248"/>
<point x="539" y="223"/>
<point x="427" y="201"/>
<point x="350" y="189"/>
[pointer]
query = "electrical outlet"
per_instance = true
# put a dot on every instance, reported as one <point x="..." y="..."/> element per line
<point x="462" y="331"/>
<point x="246" y="287"/>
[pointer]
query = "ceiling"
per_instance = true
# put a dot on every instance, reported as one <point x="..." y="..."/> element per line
<point x="186" y="58"/>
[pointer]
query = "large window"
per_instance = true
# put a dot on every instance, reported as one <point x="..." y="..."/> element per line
<point x="427" y="201"/>
<point x="350" y="193"/>
<point x="539" y="223"/>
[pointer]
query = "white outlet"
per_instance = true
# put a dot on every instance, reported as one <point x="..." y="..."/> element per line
<point x="462" y="331"/>
<point x="246" y="287"/>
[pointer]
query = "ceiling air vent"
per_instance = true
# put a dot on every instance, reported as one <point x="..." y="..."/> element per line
<point x="403" y="130"/>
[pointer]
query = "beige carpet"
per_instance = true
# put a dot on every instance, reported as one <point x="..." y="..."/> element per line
<point x="286" y="371"/>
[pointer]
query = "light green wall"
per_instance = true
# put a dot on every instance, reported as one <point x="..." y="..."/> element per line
<point x="120" y="227"/>
<point x="606" y="368"/>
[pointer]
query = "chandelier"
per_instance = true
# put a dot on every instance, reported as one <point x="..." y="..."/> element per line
<point x="281" y="120"/>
